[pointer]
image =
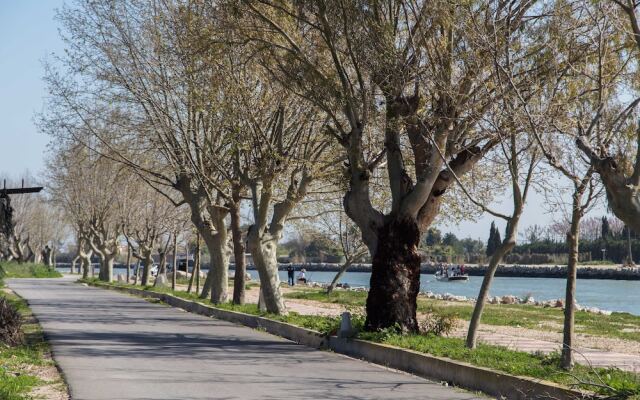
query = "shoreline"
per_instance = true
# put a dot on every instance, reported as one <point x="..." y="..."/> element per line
<point x="608" y="272"/>
<point x="611" y="272"/>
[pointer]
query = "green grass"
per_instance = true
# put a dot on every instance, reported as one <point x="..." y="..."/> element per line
<point x="515" y="362"/>
<point x="16" y="362"/>
<point x="616" y="325"/>
<point x="27" y="270"/>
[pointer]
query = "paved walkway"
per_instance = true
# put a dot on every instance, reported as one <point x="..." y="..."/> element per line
<point x="114" y="346"/>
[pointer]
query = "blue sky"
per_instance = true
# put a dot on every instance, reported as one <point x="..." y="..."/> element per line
<point x="28" y="34"/>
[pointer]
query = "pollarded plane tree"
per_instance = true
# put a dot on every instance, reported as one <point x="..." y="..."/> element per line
<point x="104" y="228"/>
<point x="282" y="152"/>
<point x="100" y="186"/>
<point x="405" y="85"/>
<point x="44" y="225"/>
<point x="67" y="169"/>
<point x="156" y="65"/>
<point x="149" y="228"/>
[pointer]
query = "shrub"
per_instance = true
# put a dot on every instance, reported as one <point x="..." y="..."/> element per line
<point x="438" y="324"/>
<point x="10" y="323"/>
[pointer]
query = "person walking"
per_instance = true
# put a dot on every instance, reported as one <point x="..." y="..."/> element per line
<point x="290" y="275"/>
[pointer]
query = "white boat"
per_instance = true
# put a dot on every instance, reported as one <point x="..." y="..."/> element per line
<point x="454" y="278"/>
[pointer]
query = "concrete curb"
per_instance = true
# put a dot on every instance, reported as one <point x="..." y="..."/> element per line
<point x="461" y="374"/>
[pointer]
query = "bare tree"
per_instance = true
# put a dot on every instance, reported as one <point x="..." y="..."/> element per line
<point x="406" y="85"/>
<point x="614" y="151"/>
<point x="283" y="157"/>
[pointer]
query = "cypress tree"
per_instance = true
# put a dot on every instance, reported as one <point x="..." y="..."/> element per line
<point x="605" y="230"/>
<point x="497" y="241"/>
<point x="491" y="241"/>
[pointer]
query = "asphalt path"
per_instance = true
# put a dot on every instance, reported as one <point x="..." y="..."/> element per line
<point x="114" y="346"/>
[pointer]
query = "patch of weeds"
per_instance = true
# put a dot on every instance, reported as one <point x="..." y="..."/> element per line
<point x="439" y="324"/>
<point x="17" y="360"/>
<point x="27" y="270"/>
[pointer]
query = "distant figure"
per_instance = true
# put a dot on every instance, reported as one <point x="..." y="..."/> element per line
<point x="462" y="269"/>
<point x="301" y="276"/>
<point x="450" y="271"/>
<point x="290" y="272"/>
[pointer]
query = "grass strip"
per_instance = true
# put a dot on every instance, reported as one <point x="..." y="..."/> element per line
<point x="617" y="325"/>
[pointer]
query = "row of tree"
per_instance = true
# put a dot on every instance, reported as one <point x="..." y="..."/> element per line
<point x="404" y="109"/>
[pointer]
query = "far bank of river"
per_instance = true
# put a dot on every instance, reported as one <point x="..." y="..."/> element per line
<point x="605" y="294"/>
<point x="615" y="272"/>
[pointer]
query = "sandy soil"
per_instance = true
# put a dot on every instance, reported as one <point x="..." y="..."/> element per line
<point x="487" y="332"/>
<point x="55" y="388"/>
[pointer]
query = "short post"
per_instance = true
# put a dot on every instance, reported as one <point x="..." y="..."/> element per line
<point x="346" y="328"/>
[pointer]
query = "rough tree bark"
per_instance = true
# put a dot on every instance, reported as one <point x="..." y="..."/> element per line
<point x="264" y="234"/>
<point x="238" y="249"/>
<point x="74" y="261"/>
<point x="263" y="248"/>
<point x="214" y="234"/>
<point x="196" y="261"/>
<point x="147" y="263"/>
<point x="85" y="252"/>
<point x="128" y="263"/>
<point x="174" y="275"/>
<point x="395" y="277"/>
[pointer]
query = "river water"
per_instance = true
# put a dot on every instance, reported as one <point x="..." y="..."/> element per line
<point x="612" y="295"/>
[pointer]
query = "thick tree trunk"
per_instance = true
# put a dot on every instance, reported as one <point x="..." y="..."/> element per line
<point x="214" y="233"/>
<point x="162" y="268"/>
<point x="137" y="273"/>
<point x="106" y="268"/>
<point x="128" y="264"/>
<point x="72" y="270"/>
<point x="197" y="264"/>
<point x="238" y="252"/>
<point x="175" y="262"/>
<point x="196" y="260"/>
<point x="147" y="263"/>
<point x="573" y="238"/>
<point x="338" y="276"/>
<point x="217" y="279"/>
<point x="85" y="264"/>
<point x="263" y="248"/>
<point x="395" y="277"/>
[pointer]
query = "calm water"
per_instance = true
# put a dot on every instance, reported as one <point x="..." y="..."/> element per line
<point x="605" y="294"/>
